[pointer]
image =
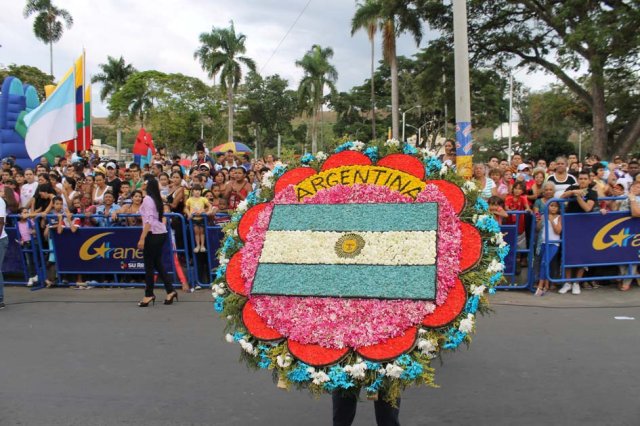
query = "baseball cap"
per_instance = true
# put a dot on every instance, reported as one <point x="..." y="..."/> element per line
<point x="111" y="165"/>
<point x="204" y="165"/>
<point x="523" y="166"/>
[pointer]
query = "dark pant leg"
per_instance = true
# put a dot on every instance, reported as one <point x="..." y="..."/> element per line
<point x="386" y="414"/>
<point x="344" y="407"/>
<point x="159" y="240"/>
<point x="150" y="253"/>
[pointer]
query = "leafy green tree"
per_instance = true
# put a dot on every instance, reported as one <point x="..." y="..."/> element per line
<point x="135" y="99"/>
<point x="113" y="76"/>
<point x="592" y="47"/>
<point x="318" y="74"/>
<point x="220" y="52"/>
<point x="49" y="23"/>
<point x="28" y="75"/>
<point x="267" y="107"/>
<point x="394" y="17"/>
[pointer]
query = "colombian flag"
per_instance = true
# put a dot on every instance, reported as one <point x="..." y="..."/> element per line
<point x="83" y="107"/>
<point x="384" y="251"/>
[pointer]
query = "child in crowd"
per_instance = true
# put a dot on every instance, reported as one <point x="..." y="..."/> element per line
<point x="517" y="201"/>
<point x="60" y="221"/>
<point x="195" y="206"/>
<point x="125" y="193"/>
<point x="547" y="249"/>
<point x="496" y="208"/>
<point x="26" y="232"/>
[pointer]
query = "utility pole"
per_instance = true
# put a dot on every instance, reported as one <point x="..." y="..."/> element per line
<point x="510" y="153"/>
<point x="464" y="140"/>
<point x="279" y="145"/>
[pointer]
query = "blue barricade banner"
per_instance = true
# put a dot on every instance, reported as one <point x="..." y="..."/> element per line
<point x="214" y="236"/>
<point x="600" y="239"/>
<point x="510" y="237"/>
<point x="13" y="257"/>
<point x="102" y="250"/>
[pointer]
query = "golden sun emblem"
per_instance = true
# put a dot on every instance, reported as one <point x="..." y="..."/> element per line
<point x="349" y="245"/>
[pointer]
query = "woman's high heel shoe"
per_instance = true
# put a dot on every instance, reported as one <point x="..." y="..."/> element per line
<point x="173" y="295"/>
<point x="142" y="304"/>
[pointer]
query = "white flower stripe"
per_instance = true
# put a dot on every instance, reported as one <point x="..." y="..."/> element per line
<point x="380" y="248"/>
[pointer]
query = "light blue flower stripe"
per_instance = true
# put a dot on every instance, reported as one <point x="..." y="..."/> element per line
<point x="355" y="217"/>
<point x="366" y="281"/>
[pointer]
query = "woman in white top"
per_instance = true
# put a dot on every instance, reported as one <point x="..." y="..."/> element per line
<point x="100" y="189"/>
<point x="486" y="186"/>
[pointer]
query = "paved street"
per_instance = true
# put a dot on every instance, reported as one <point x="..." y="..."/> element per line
<point x="70" y="357"/>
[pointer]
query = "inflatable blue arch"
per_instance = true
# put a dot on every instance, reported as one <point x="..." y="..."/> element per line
<point x="15" y="99"/>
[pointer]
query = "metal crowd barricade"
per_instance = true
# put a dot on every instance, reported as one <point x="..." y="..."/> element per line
<point x="117" y="275"/>
<point x="205" y="263"/>
<point x="512" y="269"/>
<point x="17" y="256"/>
<point x="604" y="260"/>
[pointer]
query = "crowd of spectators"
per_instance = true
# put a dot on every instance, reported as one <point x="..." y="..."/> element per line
<point x="83" y="190"/>
<point x="528" y="185"/>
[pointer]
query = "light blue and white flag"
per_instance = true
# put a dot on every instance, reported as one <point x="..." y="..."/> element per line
<point x="350" y="250"/>
<point x="54" y="121"/>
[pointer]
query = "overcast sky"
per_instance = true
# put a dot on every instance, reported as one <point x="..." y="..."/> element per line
<point x="163" y="34"/>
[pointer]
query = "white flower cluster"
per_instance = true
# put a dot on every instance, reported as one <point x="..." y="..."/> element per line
<point x="284" y="361"/>
<point x="393" y="370"/>
<point x="228" y="338"/>
<point x="426" y="153"/>
<point x="478" y="290"/>
<point x="357" y="371"/>
<point x="478" y="218"/>
<point x="357" y="146"/>
<point x="248" y="347"/>
<point x="319" y="377"/>
<point x="267" y="179"/>
<point x="242" y="206"/>
<point x="321" y="156"/>
<point x="495" y="266"/>
<point x="498" y="239"/>
<point x="469" y="186"/>
<point x="466" y="325"/>
<point x="428" y="347"/>
<point x="395" y="143"/>
<point x="218" y="290"/>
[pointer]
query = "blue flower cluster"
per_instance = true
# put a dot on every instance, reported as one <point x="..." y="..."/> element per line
<point x="373" y="388"/>
<point x="307" y="158"/>
<point x="412" y="369"/>
<point x="454" y="338"/>
<point x="372" y="153"/>
<point x="338" y="379"/>
<point x="218" y="304"/>
<point x="503" y="252"/>
<point x="265" y="361"/>
<point x="344" y="147"/>
<point x="481" y="205"/>
<point x="279" y="170"/>
<point x="299" y="374"/>
<point x="237" y="336"/>
<point x="432" y="165"/>
<point x="472" y="305"/>
<point x="409" y="149"/>
<point x="488" y="224"/>
<point x="494" y="280"/>
<point x="229" y="244"/>
<point x="222" y="269"/>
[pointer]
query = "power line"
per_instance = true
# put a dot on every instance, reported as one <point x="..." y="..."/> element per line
<point x="285" y="36"/>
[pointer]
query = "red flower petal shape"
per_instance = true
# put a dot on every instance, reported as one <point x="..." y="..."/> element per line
<point x="248" y="219"/>
<point x="390" y="349"/>
<point x="234" y="276"/>
<point x="346" y="158"/>
<point x="453" y="193"/>
<point x="293" y="177"/>
<point x="256" y="325"/>
<point x="471" y="246"/>
<point x="404" y="163"/>
<point x="315" y="355"/>
<point x="450" y="309"/>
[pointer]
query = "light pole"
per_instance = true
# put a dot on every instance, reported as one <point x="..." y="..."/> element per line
<point x="404" y="114"/>
<point x="464" y="140"/>
<point x="509" y="154"/>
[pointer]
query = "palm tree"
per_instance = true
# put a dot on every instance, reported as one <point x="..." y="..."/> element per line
<point x="371" y="26"/>
<point x="318" y="73"/>
<point x="394" y="18"/>
<point x="113" y="76"/>
<point x="47" y="26"/>
<point x="219" y="52"/>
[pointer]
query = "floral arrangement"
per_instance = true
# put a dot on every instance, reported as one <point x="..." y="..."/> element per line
<point x="356" y="269"/>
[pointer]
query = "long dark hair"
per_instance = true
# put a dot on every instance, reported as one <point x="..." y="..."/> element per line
<point x="153" y="191"/>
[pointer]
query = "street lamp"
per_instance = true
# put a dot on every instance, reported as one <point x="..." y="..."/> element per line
<point x="404" y="114"/>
